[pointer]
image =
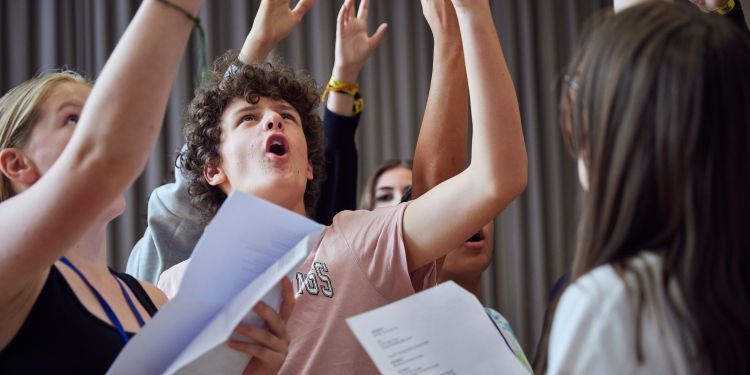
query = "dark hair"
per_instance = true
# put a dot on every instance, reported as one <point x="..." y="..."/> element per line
<point x="367" y="202"/>
<point x="231" y="79"/>
<point x="661" y="121"/>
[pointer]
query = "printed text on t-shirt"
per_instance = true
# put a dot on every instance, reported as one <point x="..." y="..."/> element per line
<point x="315" y="282"/>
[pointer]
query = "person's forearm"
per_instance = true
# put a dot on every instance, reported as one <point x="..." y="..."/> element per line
<point x="441" y="147"/>
<point x="112" y="142"/>
<point x="497" y="173"/>
<point x="125" y="111"/>
<point x="338" y="102"/>
<point x="499" y="161"/>
<point x="255" y="50"/>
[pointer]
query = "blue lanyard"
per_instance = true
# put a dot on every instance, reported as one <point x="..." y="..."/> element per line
<point x="105" y="306"/>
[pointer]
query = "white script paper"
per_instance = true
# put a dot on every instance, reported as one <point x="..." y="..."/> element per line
<point x="442" y="330"/>
<point x="244" y="252"/>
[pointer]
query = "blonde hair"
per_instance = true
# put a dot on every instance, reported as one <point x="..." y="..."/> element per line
<point x="19" y="109"/>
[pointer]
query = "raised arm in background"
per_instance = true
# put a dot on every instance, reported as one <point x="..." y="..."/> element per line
<point x="354" y="46"/>
<point x="441" y="147"/>
<point x="498" y="170"/>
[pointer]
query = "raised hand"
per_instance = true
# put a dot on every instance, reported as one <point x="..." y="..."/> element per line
<point x="268" y="346"/>
<point x="273" y="22"/>
<point x="441" y="147"/>
<point x="441" y="16"/>
<point x="353" y="45"/>
<point x="469" y="3"/>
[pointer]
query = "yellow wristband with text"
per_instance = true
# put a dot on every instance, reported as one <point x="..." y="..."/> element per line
<point x="335" y="85"/>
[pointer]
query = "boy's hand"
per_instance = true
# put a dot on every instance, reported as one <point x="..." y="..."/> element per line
<point x="267" y="346"/>
<point x="273" y="22"/>
<point x="353" y="45"/>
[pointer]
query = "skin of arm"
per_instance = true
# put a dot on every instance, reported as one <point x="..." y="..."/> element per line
<point x="273" y="22"/>
<point x="707" y="5"/>
<point x="441" y="147"/>
<point x="338" y="192"/>
<point x="498" y="170"/>
<point x="157" y="296"/>
<point x="112" y="142"/>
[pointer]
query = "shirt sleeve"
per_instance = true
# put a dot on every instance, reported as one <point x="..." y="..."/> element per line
<point x="338" y="191"/>
<point x="174" y="227"/>
<point x="376" y="241"/>
<point x="593" y="331"/>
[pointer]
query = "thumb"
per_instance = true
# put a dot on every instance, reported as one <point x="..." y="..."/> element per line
<point x="378" y="36"/>
<point x="302" y="7"/>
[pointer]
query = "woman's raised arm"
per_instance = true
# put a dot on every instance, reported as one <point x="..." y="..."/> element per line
<point x="115" y="135"/>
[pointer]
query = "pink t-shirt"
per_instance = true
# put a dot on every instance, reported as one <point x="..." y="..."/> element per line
<point x="359" y="265"/>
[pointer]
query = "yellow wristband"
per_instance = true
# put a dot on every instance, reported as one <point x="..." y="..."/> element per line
<point x="726" y="8"/>
<point x="335" y="85"/>
<point x="359" y="104"/>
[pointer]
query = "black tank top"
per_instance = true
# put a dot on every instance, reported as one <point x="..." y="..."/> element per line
<point x="60" y="336"/>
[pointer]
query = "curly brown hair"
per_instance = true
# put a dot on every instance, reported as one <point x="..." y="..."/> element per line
<point x="231" y="79"/>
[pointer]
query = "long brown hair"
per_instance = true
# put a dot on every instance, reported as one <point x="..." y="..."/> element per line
<point x="660" y="118"/>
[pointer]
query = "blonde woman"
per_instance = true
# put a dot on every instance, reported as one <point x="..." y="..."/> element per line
<point x="67" y="153"/>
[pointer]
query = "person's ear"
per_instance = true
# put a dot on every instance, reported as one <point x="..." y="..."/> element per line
<point x="310" y="175"/>
<point x="214" y="174"/>
<point x="19" y="169"/>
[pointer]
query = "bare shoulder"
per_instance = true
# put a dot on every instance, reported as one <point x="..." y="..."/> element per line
<point x="157" y="296"/>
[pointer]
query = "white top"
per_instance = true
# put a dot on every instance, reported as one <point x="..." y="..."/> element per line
<point x="594" y="329"/>
<point x="170" y="280"/>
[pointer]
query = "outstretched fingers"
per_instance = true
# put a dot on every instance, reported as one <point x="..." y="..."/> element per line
<point x="273" y="319"/>
<point x="258" y="336"/>
<point x="302" y="7"/>
<point x="378" y="36"/>
<point x="364" y="7"/>
<point x="342" y="17"/>
<point x="265" y="360"/>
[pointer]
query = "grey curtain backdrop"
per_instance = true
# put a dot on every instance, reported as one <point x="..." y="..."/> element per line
<point x="535" y="234"/>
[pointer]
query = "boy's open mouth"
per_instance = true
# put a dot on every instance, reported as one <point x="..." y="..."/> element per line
<point x="277" y="144"/>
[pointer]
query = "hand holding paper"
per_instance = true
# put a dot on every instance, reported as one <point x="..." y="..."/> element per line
<point x="246" y="249"/>
<point x="268" y="347"/>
